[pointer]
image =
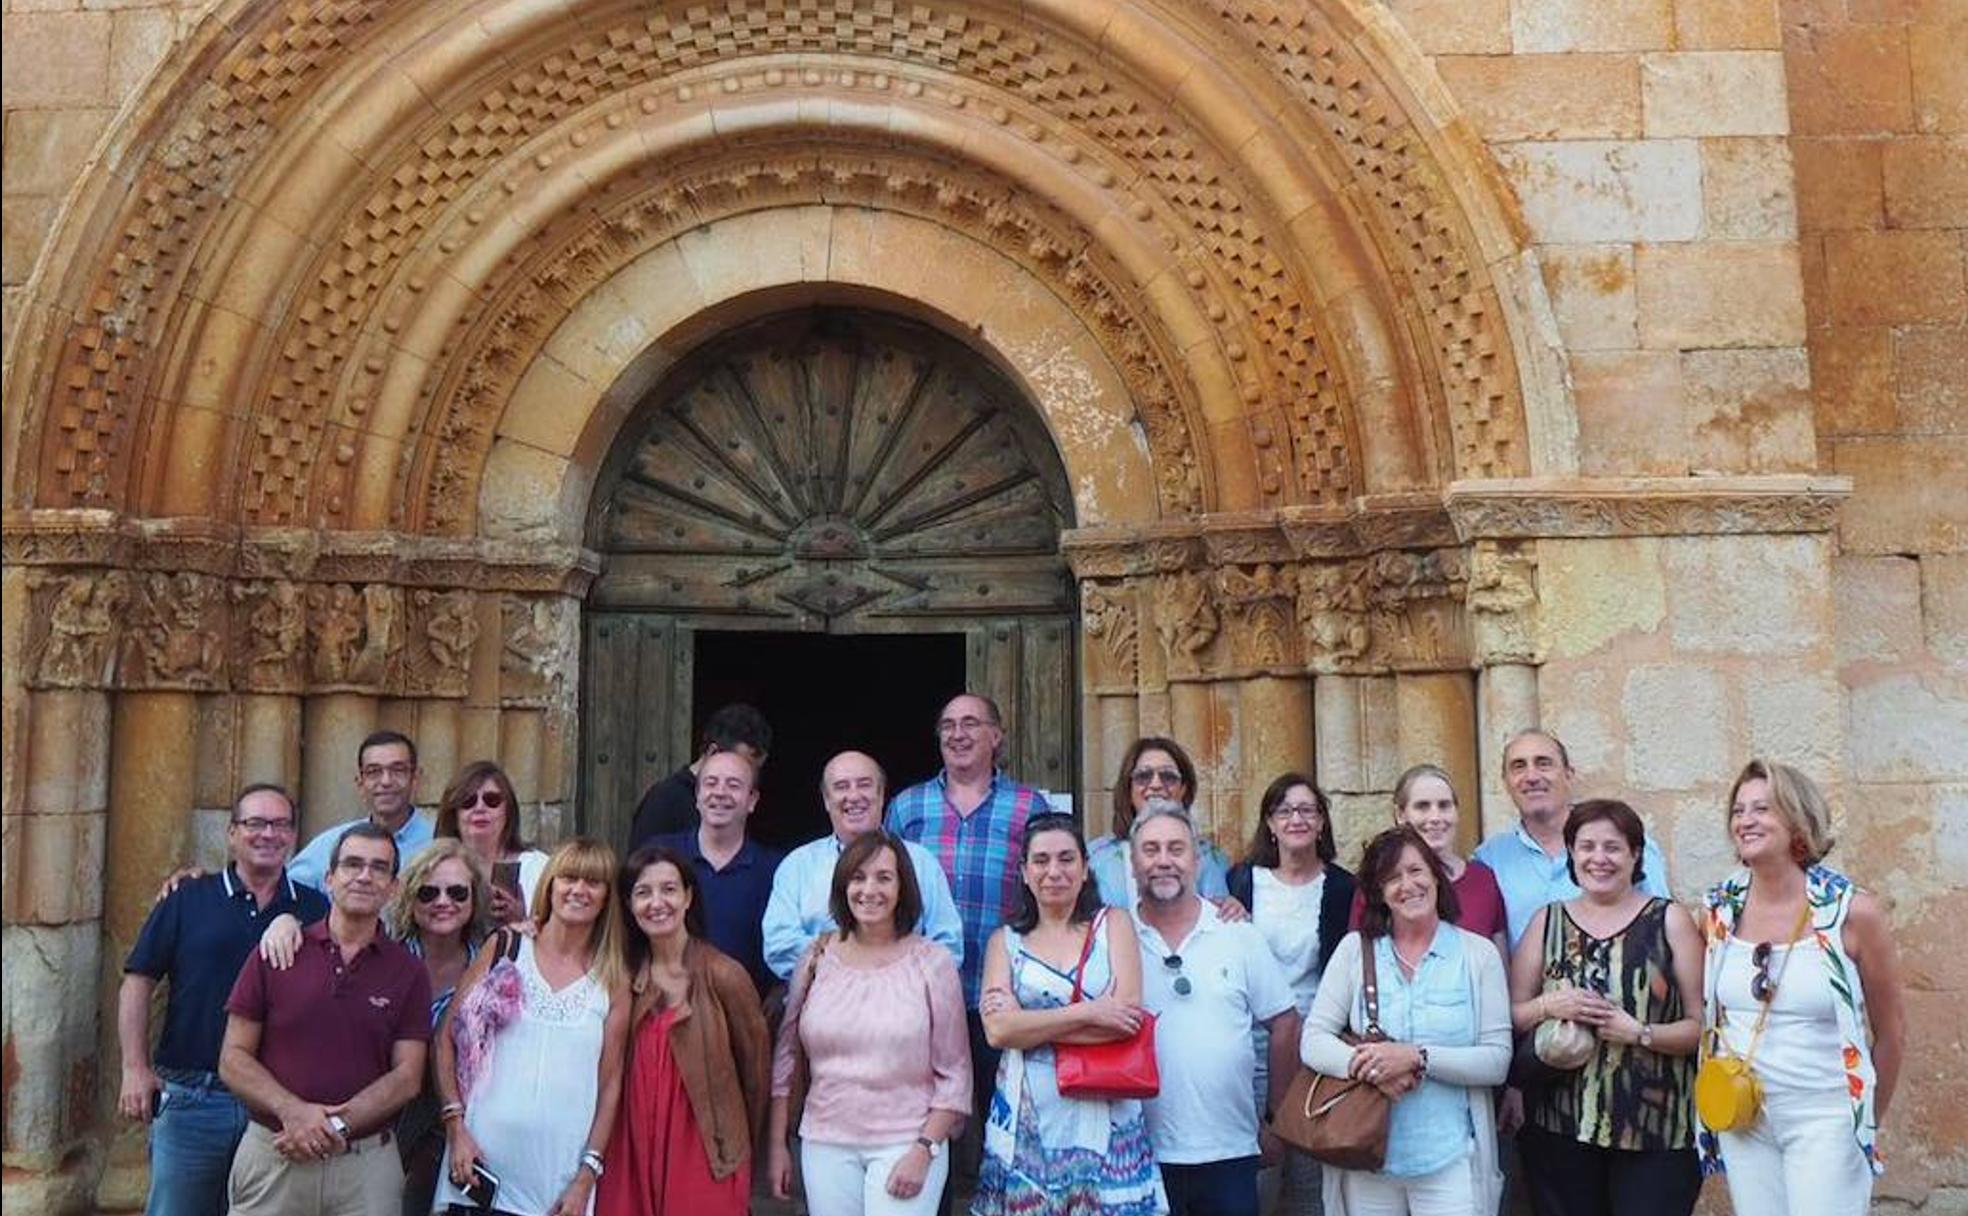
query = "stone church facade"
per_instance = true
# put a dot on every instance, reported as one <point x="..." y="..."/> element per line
<point x="1327" y="383"/>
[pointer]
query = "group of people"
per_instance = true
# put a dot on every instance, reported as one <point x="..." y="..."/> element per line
<point x="884" y="1017"/>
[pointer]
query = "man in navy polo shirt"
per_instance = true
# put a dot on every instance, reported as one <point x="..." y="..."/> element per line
<point x="197" y="938"/>
<point x="734" y="871"/>
<point x="326" y="1052"/>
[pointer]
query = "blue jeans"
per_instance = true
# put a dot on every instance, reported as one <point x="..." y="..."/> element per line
<point x="1212" y="1188"/>
<point x="191" y="1146"/>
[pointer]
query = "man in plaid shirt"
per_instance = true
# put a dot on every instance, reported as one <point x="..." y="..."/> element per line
<point x="972" y="818"/>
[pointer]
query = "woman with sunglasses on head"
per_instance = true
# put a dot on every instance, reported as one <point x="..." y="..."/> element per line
<point x="698" y="1056"/>
<point x="1153" y="767"/>
<point x="1445" y="1011"/>
<point x="1298" y="898"/>
<point x="1613" y="1136"/>
<point x="875" y="1035"/>
<point x="1045" y="1152"/>
<point x="536" y="1110"/>
<point x="1803" y="981"/>
<point x="480" y="808"/>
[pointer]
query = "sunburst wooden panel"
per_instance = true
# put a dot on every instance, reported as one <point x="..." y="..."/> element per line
<point x="834" y="465"/>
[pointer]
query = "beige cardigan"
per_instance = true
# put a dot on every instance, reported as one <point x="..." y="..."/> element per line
<point x="1479" y="1067"/>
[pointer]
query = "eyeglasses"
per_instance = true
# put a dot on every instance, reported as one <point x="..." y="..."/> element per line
<point x="376" y="772"/>
<point x="1145" y="777"/>
<point x="456" y="892"/>
<point x="961" y="726"/>
<point x="257" y="824"/>
<point x="377" y="866"/>
<point x="1181" y="983"/>
<point x="491" y="800"/>
<point x="1308" y="811"/>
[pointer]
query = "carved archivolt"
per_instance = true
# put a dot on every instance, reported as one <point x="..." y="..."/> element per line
<point x="394" y="174"/>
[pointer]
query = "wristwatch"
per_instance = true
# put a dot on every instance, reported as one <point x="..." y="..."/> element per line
<point x="1647" y="1035"/>
<point x="339" y="1126"/>
<point x="932" y="1147"/>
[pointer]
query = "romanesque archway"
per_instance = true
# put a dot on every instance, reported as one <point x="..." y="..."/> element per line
<point x="307" y="406"/>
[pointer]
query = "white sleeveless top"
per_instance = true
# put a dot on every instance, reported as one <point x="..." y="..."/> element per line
<point x="1799" y="1051"/>
<point x="531" y="1113"/>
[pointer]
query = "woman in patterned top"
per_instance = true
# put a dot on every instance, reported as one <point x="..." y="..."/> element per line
<point x="1616" y="1135"/>
<point x="1791" y="932"/>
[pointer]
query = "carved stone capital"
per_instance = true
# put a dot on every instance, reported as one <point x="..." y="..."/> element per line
<point x="1110" y="619"/>
<point x="176" y="632"/>
<point x="75" y="627"/>
<point x="538" y="649"/>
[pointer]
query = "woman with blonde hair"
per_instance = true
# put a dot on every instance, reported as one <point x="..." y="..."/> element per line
<point x="1803" y="983"/>
<point x="531" y="1090"/>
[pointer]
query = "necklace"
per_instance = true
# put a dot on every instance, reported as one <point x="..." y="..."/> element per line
<point x="1409" y="967"/>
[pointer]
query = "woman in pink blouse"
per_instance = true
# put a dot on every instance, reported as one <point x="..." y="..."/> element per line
<point x="874" y="1040"/>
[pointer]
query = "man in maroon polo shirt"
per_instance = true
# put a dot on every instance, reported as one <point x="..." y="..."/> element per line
<point x="326" y="1052"/>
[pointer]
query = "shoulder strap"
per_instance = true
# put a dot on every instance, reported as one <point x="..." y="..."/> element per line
<point x="1086" y="952"/>
<point x="1370" y="977"/>
<point x="1763" y="1016"/>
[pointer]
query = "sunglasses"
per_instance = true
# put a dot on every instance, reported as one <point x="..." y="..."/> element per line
<point x="491" y="800"/>
<point x="1761" y="985"/>
<point x="1181" y="982"/>
<point x="1145" y="777"/>
<point x="457" y="892"/>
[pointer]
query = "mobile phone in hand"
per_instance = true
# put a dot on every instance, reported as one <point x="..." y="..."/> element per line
<point x="483" y="1187"/>
<point x="505" y="876"/>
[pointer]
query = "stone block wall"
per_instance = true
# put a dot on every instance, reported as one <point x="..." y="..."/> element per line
<point x="1879" y="136"/>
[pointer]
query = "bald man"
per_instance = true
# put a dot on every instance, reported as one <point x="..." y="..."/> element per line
<point x="853" y="787"/>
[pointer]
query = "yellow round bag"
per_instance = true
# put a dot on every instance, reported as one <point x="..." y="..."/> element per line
<point x="1728" y="1097"/>
<point x="1727" y="1094"/>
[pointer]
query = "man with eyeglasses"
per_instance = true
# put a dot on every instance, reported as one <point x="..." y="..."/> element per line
<point x="972" y="817"/>
<point x="197" y="938"/>
<point x="1210" y="983"/>
<point x="325" y="1053"/>
<point x="386" y="781"/>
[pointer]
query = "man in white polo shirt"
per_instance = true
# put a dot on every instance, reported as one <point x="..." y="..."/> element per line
<point x="1209" y="982"/>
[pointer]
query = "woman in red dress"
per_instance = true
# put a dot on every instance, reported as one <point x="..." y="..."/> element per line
<point x="698" y="1063"/>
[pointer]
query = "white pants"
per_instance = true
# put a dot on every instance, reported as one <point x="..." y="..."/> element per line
<point x="1798" y="1159"/>
<point x="1449" y="1191"/>
<point x="845" y="1180"/>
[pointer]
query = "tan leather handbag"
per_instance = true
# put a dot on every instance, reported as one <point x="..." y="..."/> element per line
<point x="1341" y="1121"/>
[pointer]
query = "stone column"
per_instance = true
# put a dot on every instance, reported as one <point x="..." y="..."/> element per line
<point x="1357" y="747"/>
<point x="1277" y="736"/>
<point x="1191" y="723"/>
<point x="334" y="724"/>
<point x="52" y="893"/>
<point x="1436" y="712"/>
<point x="519" y="755"/>
<point x="1506" y="702"/>
<point x="153" y="788"/>
<point x="1116" y="722"/>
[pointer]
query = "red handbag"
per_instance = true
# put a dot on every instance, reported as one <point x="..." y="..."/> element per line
<point x="1124" y="1068"/>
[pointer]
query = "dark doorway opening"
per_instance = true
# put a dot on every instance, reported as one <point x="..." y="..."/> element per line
<point x="823" y="694"/>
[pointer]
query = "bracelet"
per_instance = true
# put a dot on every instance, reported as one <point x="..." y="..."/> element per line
<point x="450" y="1111"/>
<point x="592" y="1160"/>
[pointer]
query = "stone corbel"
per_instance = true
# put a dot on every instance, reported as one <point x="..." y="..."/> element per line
<point x="177" y="632"/>
<point x="1188" y="623"/>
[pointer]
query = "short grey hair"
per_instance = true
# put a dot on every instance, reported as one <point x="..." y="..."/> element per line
<point x="1163" y="808"/>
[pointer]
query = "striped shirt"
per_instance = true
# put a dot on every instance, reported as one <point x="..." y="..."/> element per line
<point x="979" y="853"/>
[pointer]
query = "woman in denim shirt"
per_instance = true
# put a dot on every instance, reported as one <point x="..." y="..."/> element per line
<point x="1445" y="1008"/>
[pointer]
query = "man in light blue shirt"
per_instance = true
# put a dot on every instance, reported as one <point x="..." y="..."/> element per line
<point x="386" y="780"/>
<point x="853" y="788"/>
<point x="1529" y="856"/>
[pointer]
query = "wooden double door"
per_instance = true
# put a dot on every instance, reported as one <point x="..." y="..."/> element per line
<point x="845" y="518"/>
